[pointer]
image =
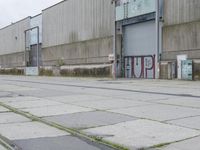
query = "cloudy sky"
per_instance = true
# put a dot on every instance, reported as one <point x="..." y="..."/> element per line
<point x="14" y="10"/>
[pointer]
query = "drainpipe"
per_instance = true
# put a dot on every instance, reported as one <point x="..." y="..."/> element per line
<point x="25" y="65"/>
<point x="114" y="42"/>
<point x="38" y="42"/>
<point x="157" y="38"/>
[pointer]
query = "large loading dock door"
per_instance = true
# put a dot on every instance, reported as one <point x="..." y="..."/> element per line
<point x="139" y="50"/>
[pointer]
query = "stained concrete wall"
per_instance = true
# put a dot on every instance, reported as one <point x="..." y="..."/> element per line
<point x="13" y="60"/>
<point x="181" y="39"/>
<point x="181" y="11"/>
<point x="85" y="52"/>
<point x="181" y="30"/>
<point x="12" y="37"/>
<point x="78" y="31"/>
<point x="12" y="44"/>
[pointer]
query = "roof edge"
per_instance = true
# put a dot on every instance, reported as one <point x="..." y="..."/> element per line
<point x="15" y="22"/>
<point x="54" y="5"/>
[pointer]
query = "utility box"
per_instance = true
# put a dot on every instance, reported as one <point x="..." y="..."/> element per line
<point x="180" y="58"/>
<point x="31" y="71"/>
<point x="168" y="70"/>
<point x="187" y="69"/>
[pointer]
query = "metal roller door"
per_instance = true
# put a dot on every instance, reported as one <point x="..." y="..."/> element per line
<point x="139" y="50"/>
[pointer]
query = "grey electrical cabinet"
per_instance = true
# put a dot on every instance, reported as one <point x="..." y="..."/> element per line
<point x="187" y="69"/>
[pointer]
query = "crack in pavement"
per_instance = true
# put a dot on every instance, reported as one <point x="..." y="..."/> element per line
<point x="113" y="89"/>
<point x="73" y="132"/>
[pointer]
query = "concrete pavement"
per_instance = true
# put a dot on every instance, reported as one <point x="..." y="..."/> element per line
<point x="134" y="114"/>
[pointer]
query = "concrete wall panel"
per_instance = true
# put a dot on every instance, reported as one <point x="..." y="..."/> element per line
<point x="77" y="20"/>
<point x="87" y="52"/>
<point x="181" y="37"/>
<point x="171" y="56"/>
<point x="181" y="11"/>
<point x="13" y="60"/>
<point x="12" y="39"/>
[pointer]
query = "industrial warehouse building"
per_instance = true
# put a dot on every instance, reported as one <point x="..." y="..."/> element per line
<point x="77" y="38"/>
<point x="81" y="38"/>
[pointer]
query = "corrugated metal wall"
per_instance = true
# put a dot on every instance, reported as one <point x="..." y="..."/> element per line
<point x="12" y="37"/>
<point x="181" y="11"/>
<point x="181" y="30"/>
<point x="77" y="20"/>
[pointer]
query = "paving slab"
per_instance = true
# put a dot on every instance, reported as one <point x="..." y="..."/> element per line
<point x="2" y="148"/>
<point x="3" y="109"/>
<point x="56" y="110"/>
<point x="43" y="93"/>
<point x="129" y="95"/>
<point x="110" y="104"/>
<point x="139" y="96"/>
<point x="13" y="88"/>
<point x="142" y="133"/>
<point x="77" y="98"/>
<point x="149" y="97"/>
<point x="58" y="143"/>
<point x="191" y="144"/>
<point x="32" y="104"/>
<point x="5" y="94"/>
<point x="19" y="99"/>
<point x="159" y="112"/>
<point x="191" y="122"/>
<point x="29" y="130"/>
<point x="11" y="117"/>
<point x="180" y="101"/>
<point x="89" y="119"/>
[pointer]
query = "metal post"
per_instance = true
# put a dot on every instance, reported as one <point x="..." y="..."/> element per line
<point x="157" y="37"/>
<point x="114" y="42"/>
<point x="25" y="51"/>
<point x="38" y="41"/>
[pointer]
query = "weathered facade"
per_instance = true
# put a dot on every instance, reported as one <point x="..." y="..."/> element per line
<point x="181" y="34"/>
<point x="12" y="44"/>
<point x="77" y="37"/>
<point x="78" y="32"/>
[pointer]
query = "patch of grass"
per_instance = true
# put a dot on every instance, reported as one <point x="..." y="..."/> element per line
<point x="160" y="145"/>
<point x="74" y="132"/>
<point x="86" y="72"/>
<point x="13" y="71"/>
<point x="46" y="72"/>
<point x="7" y="144"/>
<point x="197" y="75"/>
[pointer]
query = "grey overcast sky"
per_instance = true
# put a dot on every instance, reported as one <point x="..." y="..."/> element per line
<point x="14" y="10"/>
